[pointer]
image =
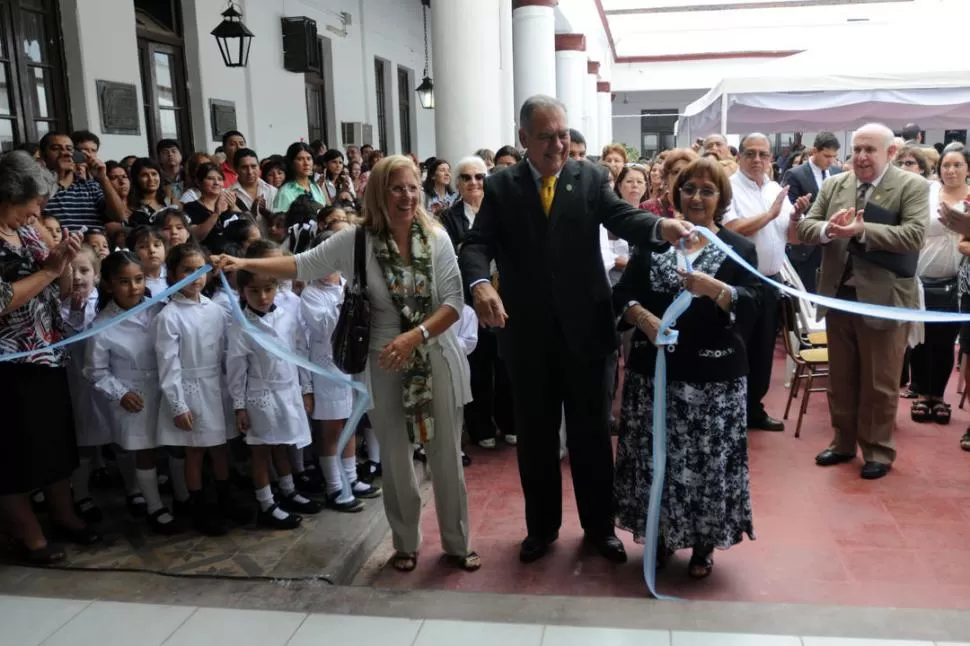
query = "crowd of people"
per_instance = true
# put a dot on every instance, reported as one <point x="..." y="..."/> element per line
<point x="569" y="262"/>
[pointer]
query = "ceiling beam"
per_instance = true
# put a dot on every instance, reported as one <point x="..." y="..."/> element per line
<point x="740" y="5"/>
<point x="707" y="56"/>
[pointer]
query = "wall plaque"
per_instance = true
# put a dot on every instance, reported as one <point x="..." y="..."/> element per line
<point x="118" y="104"/>
<point x="222" y="114"/>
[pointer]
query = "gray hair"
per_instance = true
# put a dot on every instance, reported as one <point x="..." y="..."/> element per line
<point x="22" y="179"/>
<point x="534" y="103"/>
<point x="754" y="136"/>
<point x="879" y="129"/>
<point x="472" y="160"/>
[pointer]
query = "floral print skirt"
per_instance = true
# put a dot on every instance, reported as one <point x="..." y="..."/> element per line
<point x="706" y="498"/>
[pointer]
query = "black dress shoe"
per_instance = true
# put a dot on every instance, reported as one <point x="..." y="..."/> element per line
<point x="83" y="536"/>
<point x="766" y="423"/>
<point x="875" y="470"/>
<point x="828" y="457"/>
<point x="609" y="547"/>
<point x="535" y="547"/>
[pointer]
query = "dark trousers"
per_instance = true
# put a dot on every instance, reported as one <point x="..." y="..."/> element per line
<point x="547" y="381"/>
<point x="806" y="260"/>
<point x="760" y="345"/>
<point x="491" y="391"/>
<point x="932" y="360"/>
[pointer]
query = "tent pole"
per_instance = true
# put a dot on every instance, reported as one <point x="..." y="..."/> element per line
<point x="724" y="110"/>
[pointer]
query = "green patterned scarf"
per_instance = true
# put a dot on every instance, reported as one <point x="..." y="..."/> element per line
<point x="416" y="391"/>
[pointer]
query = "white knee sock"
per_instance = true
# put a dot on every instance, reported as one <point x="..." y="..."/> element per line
<point x="350" y="469"/>
<point x="126" y="465"/>
<point x="373" y="446"/>
<point x="148" y="482"/>
<point x="176" y="467"/>
<point x="330" y="467"/>
<point x="288" y="487"/>
<point x="80" y="479"/>
<point x="264" y="497"/>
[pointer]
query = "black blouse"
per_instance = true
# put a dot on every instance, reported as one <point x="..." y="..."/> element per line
<point x="710" y="346"/>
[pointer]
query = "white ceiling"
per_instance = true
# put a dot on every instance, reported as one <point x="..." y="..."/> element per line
<point x="657" y="30"/>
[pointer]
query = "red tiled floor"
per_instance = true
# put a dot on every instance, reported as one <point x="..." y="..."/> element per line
<point x="824" y="535"/>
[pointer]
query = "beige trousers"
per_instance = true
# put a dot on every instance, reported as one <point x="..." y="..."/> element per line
<point x="402" y="499"/>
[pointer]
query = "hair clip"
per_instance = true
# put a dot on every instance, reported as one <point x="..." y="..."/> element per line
<point x="232" y="218"/>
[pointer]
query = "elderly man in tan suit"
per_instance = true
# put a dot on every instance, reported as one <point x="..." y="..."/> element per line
<point x="871" y="223"/>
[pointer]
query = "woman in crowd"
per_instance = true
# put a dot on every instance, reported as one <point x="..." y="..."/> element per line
<point x="335" y="182"/>
<point x="675" y="162"/>
<point x="706" y="501"/>
<point x="438" y="194"/>
<point x="931" y="362"/>
<point x="39" y="450"/>
<point x="486" y="156"/>
<point x="118" y="177"/>
<point x="353" y="168"/>
<point x="912" y="159"/>
<point x="191" y="169"/>
<point x="212" y="203"/>
<point x="416" y="370"/>
<point x="656" y="180"/>
<point x="147" y="196"/>
<point x="631" y="184"/>
<point x="299" y="178"/>
<point x="615" y="157"/>
<point x="273" y="171"/>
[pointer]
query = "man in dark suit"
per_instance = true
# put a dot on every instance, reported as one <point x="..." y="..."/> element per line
<point x="807" y="179"/>
<point x="540" y="222"/>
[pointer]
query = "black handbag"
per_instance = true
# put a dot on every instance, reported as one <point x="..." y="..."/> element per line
<point x="351" y="337"/>
<point x="940" y="294"/>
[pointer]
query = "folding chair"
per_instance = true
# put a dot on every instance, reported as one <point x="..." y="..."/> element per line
<point x="810" y="362"/>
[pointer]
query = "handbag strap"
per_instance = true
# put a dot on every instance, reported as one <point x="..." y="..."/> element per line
<point x="360" y="259"/>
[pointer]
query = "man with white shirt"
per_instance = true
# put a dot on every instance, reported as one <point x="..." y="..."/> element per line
<point x="807" y="179"/>
<point x="760" y="210"/>
<point x="253" y="194"/>
<point x="869" y="260"/>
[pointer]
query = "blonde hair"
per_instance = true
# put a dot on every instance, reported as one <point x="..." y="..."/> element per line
<point x="376" y="219"/>
<point x="615" y="148"/>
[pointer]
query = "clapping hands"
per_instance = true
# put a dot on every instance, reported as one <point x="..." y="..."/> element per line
<point x="846" y="223"/>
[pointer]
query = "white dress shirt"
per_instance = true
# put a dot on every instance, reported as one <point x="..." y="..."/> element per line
<point x="264" y="190"/>
<point x="750" y="201"/>
<point x="819" y="174"/>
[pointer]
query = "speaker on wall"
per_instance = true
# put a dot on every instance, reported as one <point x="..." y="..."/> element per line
<point x="301" y="48"/>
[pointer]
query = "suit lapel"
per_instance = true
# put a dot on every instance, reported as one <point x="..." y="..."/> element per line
<point x="565" y="192"/>
<point x="811" y="178"/>
<point x="528" y="190"/>
<point x="883" y="194"/>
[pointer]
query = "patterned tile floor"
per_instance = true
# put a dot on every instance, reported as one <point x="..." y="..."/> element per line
<point x="824" y="536"/>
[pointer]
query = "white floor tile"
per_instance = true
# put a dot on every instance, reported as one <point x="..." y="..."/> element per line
<point x="106" y="623"/>
<point x="680" y="638"/>
<point x="952" y="643"/>
<point x="210" y="626"/>
<point x="574" y="636"/>
<point x="343" y="629"/>
<point x="845" y="641"/>
<point x="470" y="633"/>
<point x="27" y="621"/>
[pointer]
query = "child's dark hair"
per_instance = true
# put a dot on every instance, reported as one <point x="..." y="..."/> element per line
<point x="95" y="232"/>
<point x="238" y="231"/>
<point x="177" y="254"/>
<point x="230" y="249"/>
<point x="141" y="233"/>
<point x="110" y="267"/>
<point x="258" y="249"/>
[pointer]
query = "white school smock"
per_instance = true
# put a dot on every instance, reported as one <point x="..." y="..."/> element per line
<point x="157" y="285"/>
<point x="222" y="298"/>
<point x="92" y="421"/>
<point x="269" y="389"/>
<point x="122" y="360"/>
<point x="189" y="347"/>
<point x="320" y="309"/>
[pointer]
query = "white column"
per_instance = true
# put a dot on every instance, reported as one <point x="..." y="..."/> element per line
<point x="534" y="46"/>
<point x="593" y="144"/>
<point x="507" y="108"/>
<point x="604" y="100"/>
<point x="465" y="77"/>
<point x="571" y="76"/>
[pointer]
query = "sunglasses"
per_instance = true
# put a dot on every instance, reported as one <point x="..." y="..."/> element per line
<point x="477" y="176"/>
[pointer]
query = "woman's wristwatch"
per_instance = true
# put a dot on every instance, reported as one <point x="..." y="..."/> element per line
<point x="424" y="332"/>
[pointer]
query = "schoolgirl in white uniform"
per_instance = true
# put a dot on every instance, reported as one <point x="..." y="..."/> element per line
<point x="189" y="344"/>
<point x="149" y="246"/>
<point x="320" y="308"/>
<point x="122" y="367"/>
<point x="91" y="418"/>
<point x="271" y="398"/>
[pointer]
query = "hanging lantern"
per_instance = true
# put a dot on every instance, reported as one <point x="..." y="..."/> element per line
<point x="233" y="37"/>
<point x="425" y="91"/>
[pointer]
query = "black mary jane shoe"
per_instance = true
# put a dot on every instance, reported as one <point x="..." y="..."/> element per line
<point x="353" y="506"/>
<point x="369" y="471"/>
<point x="83" y="536"/>
<point x="136" y="505"/>
<point x="307" y="483"/>
<point x="88" y="511"/>
<point x="270" y="521"/>
<point x="289" y="504"/>
<point x="365" y="490"/>
<point x="171" y="528"/>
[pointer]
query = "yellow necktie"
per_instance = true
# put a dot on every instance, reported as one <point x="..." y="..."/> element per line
<point x="547" y="192"/>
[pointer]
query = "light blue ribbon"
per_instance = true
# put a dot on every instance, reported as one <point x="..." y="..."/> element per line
<point x="361" y="402"/>
<point x="668" y="338"/>
<point x="113" y="321"/>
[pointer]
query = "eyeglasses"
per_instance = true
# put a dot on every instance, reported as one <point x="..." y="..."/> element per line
<point x="465" y="177"/>
<point x="689" y="191"/>
<point x="907" y="163"/>
<point x="754" y="154"/>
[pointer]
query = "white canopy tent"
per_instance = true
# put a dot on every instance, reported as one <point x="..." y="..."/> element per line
<point x="830" y="89"/>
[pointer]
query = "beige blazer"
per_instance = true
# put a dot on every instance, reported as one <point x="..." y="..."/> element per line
<point x="900" y="192"/>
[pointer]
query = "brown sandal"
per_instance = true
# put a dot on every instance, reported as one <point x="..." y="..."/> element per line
<point x="700" y="565"/>
<point x="965" y="441"/>
<point x="404" y="561"/>
<point x="469" y="563"/>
